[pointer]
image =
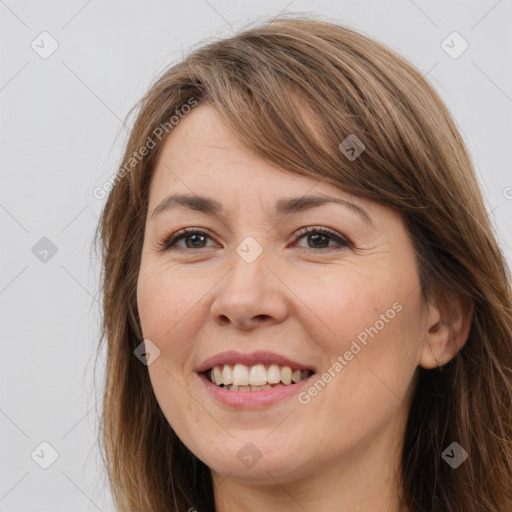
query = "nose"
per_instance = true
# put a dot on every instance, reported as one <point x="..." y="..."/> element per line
<point x="250" y="295"/>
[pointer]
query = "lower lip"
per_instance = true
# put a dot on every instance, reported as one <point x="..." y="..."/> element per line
<point x="252" y="399"/>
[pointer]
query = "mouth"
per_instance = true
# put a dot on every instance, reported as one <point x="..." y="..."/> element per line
<point x="256" y="378"/>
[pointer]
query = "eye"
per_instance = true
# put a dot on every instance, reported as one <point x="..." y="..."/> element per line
<point x="197" y="239"/>
<point x="319" y="236"/>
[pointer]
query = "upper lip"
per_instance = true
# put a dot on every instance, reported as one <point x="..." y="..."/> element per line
<point x="253" y="358"/>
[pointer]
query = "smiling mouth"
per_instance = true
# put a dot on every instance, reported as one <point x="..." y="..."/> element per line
<point x="239" y="377"/>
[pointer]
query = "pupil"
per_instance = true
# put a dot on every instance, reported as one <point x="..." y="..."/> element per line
<point x="317" y="235"/>
<point x="196" y="237"/>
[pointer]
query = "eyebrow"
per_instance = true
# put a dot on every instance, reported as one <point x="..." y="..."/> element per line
<point x="283" y="206"/>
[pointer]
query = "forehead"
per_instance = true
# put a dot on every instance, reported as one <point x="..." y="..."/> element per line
<point x="202" y="151"/>
<point x="202" y="157"/>
<point x="202" y="154"/>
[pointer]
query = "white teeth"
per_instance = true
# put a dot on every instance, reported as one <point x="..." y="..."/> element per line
<point x="227" y="375"/>
<point x="217" y="376"/>
<point x="257" y="375"/>
<point x="240" y="377"/>
<point x="286" y="375"/>
<point x="274" y="374"/>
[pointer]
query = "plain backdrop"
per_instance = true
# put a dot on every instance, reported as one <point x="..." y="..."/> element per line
<point x="61" y="136"/>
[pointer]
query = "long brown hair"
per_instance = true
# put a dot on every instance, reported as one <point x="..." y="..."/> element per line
<point x="293" y="89"/>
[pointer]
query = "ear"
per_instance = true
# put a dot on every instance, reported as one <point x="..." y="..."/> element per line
<point x="447" y="327"/>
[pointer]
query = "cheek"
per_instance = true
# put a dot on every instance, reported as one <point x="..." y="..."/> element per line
<point x="370" y="327"/>
<point x="167" y="313"/>
<point x="339" y="304"/>
<point x="160" y="313"/>
<point x="166" y="307"/>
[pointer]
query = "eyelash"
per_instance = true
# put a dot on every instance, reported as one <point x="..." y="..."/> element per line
<point x="169" y="241"/>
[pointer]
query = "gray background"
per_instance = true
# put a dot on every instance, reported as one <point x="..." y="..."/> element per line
<point x="61" y="136"/>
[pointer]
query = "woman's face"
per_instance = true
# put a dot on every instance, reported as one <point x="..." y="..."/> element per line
<point x="344" y="305"/>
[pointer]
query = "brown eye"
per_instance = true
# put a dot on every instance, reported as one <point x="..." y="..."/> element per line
<point x="194" y="239"/>
<point x="321" y="237"/>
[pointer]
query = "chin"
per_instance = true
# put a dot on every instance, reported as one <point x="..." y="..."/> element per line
<point x="260" y="462"/>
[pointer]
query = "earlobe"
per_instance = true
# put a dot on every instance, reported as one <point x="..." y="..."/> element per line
<point x="446" y="335"/>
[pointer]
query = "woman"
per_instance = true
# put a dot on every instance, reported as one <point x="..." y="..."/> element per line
<point x="305" y="305"/>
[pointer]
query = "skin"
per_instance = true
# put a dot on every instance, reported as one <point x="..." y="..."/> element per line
<point x="306" y="298"/>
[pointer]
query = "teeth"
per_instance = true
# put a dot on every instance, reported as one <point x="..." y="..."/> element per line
<point x="286" y="375"/>
<point x="217" y="376"/>
<point x="257" y="375"/>
<point x="240" y="377"/>
<point x="274" y="374"/>
<point x="227" y="375"/>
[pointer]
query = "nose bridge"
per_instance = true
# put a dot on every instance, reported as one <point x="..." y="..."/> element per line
<point x="248" y="262"/>
<point x="249" y="289"/>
